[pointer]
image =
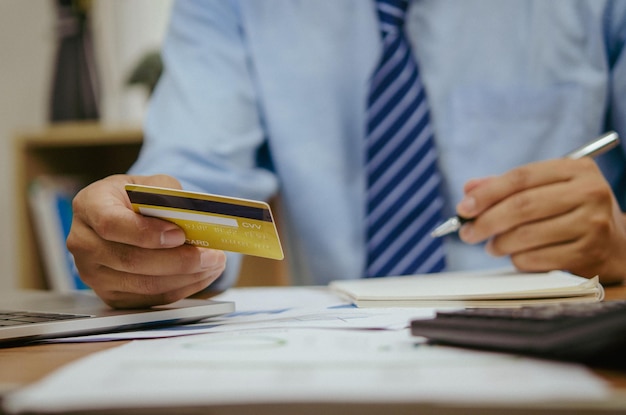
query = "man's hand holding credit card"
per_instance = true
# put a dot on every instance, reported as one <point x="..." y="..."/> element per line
<point x="212" y="221"/>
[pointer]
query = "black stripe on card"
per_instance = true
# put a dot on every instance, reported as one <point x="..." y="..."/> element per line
<point x="205" y="206"/>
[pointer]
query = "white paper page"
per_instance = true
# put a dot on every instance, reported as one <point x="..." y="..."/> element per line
<point x="264" y="298"/>
<point x="499" y="284"/>
<point x="301" y="365"/>
<point x="279" y="307"/>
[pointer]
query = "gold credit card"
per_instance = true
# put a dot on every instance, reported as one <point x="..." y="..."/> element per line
<point x="212" y="221"/>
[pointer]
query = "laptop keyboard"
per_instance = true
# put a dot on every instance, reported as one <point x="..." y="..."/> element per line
<point x="17" y="318"/>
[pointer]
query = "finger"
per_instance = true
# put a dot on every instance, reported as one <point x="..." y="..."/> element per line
<point x="560" y="215"/>
<point x="88" y="248"/>
<point x="159" y="180"/>
<point x="537" y="204"/>
<point x="537" y="235"/>
<point x="558" y="194"/>
<point x="473" y="183"/>
<point x="185" y="259"/>
<point x="125" y="299"/>
<point x="114" y="281"/>
<point x="121" y="288"/>
<point x="485" y="193"/>
<point x="520" y="209"/>
<point x="104" y="207"/>
<point x="567" y="242"/>
<point x="545" y="259"/>
<point x="570" y="256"/>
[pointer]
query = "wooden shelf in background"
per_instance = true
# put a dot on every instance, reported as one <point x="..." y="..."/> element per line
<point x="91" y="151"/>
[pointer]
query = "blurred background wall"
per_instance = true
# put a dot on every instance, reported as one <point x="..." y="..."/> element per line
<point x="123" y="32"/>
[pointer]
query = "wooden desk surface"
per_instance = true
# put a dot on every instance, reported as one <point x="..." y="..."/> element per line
<point x="23" y="365"/>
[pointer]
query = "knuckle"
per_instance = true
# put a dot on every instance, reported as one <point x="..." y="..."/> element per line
<point x="188" y="258"/>
<point x="140" y="284"/>
<point x="121" y="300"/>
<point x="592" y="247"/>
<point x="525" y="235"/>
<point x="600" y="195"/>
<point x="149" y="284"/>
<point x="103" y="225"/>
<point x="494" y="246"/>
<point x="115" y="303"/>
<point x="519" y="262"/>
<point x="521" y="203"/>
<point x="167" y="181"/>
<point x="599" y="228"/>
<point x="586" y="164"/>
<point x="169" y="297"/>
<point x="127" y="258"/>
<point x="79" y="242"/>
<point x="528" y="262"/>
<point x="90" y="275"/>
<point x="72" y="242"/>
<point x="600" y="225"/>
<point x="77" y="203"/>
<point x="520" y="177"/>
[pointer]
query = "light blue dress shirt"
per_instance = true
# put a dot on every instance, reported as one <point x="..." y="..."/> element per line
<point x="508" y="82"/>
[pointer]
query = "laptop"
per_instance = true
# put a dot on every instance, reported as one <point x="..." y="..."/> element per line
<point x="26" y="316"/>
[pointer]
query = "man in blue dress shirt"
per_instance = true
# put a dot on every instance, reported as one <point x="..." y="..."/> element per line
<point x="267" y="96"/>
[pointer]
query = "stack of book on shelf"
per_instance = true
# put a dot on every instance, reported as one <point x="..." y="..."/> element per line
<point x="50" y="199"/>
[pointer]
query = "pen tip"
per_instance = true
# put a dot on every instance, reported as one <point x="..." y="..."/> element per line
<point x="449" y="226"/>
<point x="437" y="232"/>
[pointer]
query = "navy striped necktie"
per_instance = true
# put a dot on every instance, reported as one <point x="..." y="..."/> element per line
<point x="403" y="200"/>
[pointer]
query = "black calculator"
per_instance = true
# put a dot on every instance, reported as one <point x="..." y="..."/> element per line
<point x="592" y="333"/>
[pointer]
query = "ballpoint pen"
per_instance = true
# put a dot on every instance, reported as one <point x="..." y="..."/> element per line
<point x="597" y="146"/>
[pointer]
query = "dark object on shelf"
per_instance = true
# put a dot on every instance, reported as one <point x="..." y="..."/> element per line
<point x="75" y="90"/>
<point x="147" y="72"/>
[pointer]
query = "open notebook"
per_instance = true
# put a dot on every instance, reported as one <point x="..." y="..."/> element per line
<point x="34" y="315"/>
<point x="491" y="288"/>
